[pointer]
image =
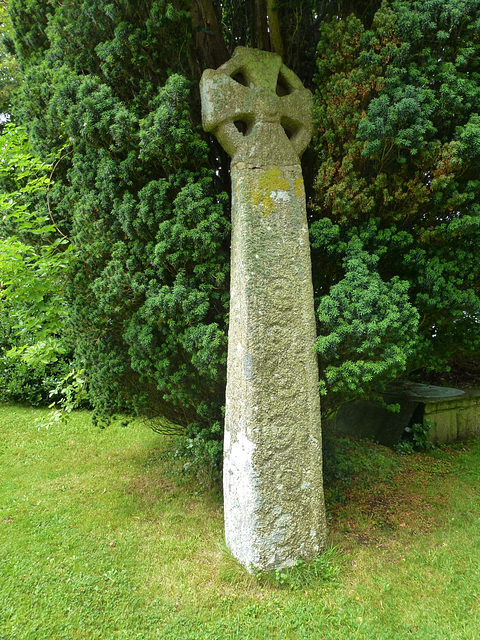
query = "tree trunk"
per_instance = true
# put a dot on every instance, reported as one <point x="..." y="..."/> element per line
<point x="258" y="24"/>
<point x="209" y="42"/>
<point x="274" y="27"/>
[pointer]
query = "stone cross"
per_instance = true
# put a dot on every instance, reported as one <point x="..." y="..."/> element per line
<point x="274" y="508"/>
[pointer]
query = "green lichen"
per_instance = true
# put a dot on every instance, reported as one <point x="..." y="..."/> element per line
<point x="299" y="188"/>
<point x="270" y="182"/>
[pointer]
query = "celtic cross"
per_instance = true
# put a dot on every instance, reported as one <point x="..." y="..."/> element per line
<point x="274" y="511"/>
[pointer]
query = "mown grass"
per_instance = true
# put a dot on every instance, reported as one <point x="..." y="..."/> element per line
<point x="102" y="536"/>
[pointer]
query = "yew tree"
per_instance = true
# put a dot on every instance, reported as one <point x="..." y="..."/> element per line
<point x="142" y="193"/>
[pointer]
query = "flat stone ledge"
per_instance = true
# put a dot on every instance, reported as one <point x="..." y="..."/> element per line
<point x="454" y="414"/>
<point x="425" y="392"/>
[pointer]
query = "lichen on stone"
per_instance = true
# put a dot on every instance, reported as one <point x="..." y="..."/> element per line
<point x="299" y="188"/>
<point x="268" y="189"/>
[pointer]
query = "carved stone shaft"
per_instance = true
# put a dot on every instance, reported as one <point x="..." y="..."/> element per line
<point x="273" y="489"/>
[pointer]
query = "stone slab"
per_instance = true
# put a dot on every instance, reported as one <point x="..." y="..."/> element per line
<point x="454" y="413"/>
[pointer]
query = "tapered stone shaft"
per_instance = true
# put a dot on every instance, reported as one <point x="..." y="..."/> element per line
<point x="273" y="490"/>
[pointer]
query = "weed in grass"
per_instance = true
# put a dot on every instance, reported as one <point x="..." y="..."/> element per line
<point x="416" y="438"/>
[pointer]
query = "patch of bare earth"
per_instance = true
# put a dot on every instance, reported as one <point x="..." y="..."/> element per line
<point x="382" y="514"/>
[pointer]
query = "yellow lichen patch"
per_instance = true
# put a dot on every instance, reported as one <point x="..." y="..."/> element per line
<point x="269" y="186"/>
<point x="299" y="187"/>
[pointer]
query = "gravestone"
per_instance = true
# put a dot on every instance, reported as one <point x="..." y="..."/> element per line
<point x="274" y="509"/>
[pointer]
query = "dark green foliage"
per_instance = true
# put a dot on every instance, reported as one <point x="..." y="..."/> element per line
<point x="143" y="194"/>
<point x="148" y="287"/>
<point x="415" y="438"/>
<point x="368" y="330"/>
<point x="349" y="462"/>
<point x="397" y="139"/>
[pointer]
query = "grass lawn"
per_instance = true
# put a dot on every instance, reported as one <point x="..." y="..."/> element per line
<point x="102" y="536"/>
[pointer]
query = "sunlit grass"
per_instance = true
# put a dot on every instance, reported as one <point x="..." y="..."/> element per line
<point x="102" y="536"/>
